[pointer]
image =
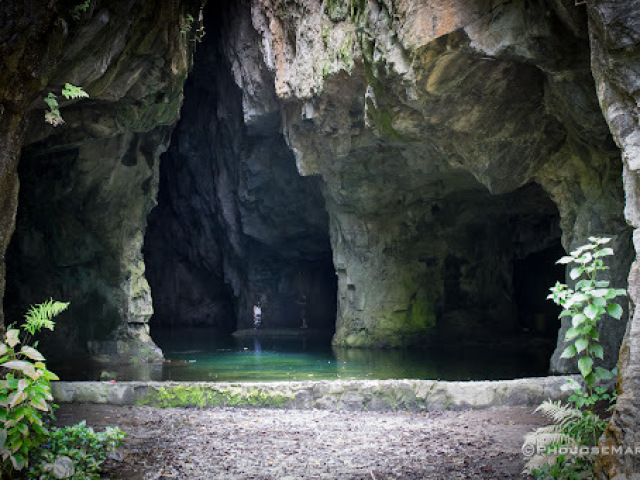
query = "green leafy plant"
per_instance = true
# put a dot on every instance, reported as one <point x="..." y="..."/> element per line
<point x="25" y="392"/>
<point x="77" y="11"/>
<point x="591" y="299"/>
<point x="189" y="24"/>
<point x="77" y="452"/>
<point x="576" y="426"/>
<point x="53" y="115"/>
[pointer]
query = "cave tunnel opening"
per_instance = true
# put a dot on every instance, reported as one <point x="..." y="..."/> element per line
<point x="532" y="278"/>
<point x="498" y="269"/>
<point x="235" y="223"/>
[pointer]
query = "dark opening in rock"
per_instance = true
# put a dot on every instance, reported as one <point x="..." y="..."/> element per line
<point x="532" y="278"/>
<point x="235" y="223"/>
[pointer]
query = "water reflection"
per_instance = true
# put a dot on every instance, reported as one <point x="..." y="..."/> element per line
<point x="201" y="355"/>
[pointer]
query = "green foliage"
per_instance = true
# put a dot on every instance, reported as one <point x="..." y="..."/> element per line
<point x="77" y="11"/>
<point x="25" y="392"/>
<point x="575" y="424"/>
<point x="77" y="451"/>
<point x="339" y="10"/>
<point x="591" y="299"/>
<point x="39" y="316"/>
<point x="188" y="24"/>
<point x="53" y="115"/>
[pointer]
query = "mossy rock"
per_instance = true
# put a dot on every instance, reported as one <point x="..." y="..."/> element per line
<point x="212" y="396"/>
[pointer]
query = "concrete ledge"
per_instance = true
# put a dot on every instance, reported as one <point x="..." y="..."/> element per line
<point x="325" y="395"/>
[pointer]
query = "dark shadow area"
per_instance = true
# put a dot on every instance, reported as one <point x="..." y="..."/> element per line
<point x="532" y="278"/>
<point x="498" y="270"/>
<point x="235" y="224"/>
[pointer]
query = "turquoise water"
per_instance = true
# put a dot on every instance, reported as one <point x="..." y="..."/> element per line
<point x="198" y="358"/>
<point x="201" y="355"/>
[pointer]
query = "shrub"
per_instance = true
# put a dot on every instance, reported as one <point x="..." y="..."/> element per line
<point x="75" y="452"/>
<point x="576" y="424"/>
<point x="25" y="392"/>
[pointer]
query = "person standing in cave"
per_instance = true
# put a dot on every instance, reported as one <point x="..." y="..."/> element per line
<point x="257" y="316"/>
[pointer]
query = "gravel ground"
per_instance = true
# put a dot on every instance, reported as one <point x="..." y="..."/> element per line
<point x="182" y="443"/>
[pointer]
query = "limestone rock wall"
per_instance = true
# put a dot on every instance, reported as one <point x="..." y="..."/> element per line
<point x="435" y="144"/>
<point x="421" y="117"/>
<point x="31" y="40"/>
<point x="615" y="54"/>
<point x="89" y="184"/>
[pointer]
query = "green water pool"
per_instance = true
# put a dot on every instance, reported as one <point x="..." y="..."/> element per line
<point x="201" y="355"/>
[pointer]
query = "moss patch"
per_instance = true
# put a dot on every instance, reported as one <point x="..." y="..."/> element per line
<point x="212" y="396"/>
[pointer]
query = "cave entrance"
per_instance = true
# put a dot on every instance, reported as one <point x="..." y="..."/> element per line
<point x="499" y="266"/>
<point x="532" y="278"/>
<point x="235" y="223"/>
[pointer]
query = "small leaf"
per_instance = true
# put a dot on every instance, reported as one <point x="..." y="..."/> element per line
<point x="578" y="319"/>
<point x="16" y="398"/>
<point x="576" y="272"/>
<point x="32" y="353"/>
<point x="597" y="351"/>
<point x="12" y="337"/>
<point x="602" y="373"/>
<point x="571" y="334"/>
<point x="593" y="334"/>
<point x="3" y="349"/>
<point x="71" y="91"/>
<point x="599" y="302"/>
<point x="565" y="260"/>
<point x="39" y="403"/>
<point x="615" y="310"/>
<point x="591" y="311"/>
<point x="585" y="365"/>
<point x="24" y="367"/>
<point x="581" y="344"/>
<point x="569" y="352"/>
<point x="18" y="461"/>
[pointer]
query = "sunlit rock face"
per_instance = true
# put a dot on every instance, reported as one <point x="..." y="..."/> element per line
<point x="452" y="139"/>
<point x="88" y="185"/>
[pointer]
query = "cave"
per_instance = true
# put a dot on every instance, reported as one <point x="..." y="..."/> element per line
<point x="389" y="203"/>
<point x="420" y="164"/>
<point x="235" y="224"/>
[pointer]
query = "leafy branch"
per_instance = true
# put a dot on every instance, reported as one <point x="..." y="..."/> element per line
<point x="69" y="92"/>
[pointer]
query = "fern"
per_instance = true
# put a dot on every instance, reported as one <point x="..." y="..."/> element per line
<point x="71" y="91"/>
<point x="560" y="414"/>
<point x="572" y="428"/>
<point x="53" y="115"/>
<point x="39" y="316"/>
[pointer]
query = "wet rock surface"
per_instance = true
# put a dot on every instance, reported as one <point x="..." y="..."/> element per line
<point x="294" y="444"/>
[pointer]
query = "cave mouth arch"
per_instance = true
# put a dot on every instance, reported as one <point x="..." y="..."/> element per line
<point x="475" y="271"/>
<point x="235" y="223"/>
<point x="498" y="270"/>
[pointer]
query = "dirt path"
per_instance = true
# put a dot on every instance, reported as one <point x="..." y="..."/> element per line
<point x="312" y="444"/>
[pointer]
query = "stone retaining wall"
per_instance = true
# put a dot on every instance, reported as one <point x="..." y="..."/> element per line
<point x="326" y="395"/>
